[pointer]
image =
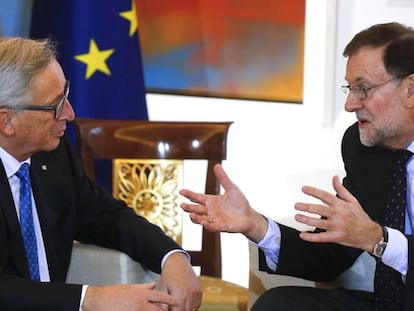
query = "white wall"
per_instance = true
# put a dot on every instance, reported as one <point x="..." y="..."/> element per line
<point x="271" y="145"/>
<point x="275" y="148"/>
<point x="357" y="15"/>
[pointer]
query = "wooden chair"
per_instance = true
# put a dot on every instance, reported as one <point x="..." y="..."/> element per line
<point x="141" y="152"/>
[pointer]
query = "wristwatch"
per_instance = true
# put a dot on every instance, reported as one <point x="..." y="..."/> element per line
<point x="380" y="246"/>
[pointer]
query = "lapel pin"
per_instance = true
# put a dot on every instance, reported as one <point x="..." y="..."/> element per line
<point x="44" y="167"/>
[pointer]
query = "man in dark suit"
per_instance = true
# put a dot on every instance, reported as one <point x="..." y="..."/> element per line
<point x="380" y="73"/>
<point x="65" y="205"/>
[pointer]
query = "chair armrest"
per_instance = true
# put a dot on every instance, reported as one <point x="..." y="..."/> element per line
<point x="95" y="265"/>
<point x="260" y="281"/>
<point x="358" y="277"/>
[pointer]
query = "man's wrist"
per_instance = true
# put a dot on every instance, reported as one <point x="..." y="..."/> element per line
<point x="164" y="259"/>
<point x="379" y="247"/>
<point x="259" y="228"/>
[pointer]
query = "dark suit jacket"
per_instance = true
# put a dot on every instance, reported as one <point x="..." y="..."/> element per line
<point x="368" y="174"/>
<point x="69" y="207"/>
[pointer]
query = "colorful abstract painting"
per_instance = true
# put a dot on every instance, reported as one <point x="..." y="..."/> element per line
<point x="246" y="49"/>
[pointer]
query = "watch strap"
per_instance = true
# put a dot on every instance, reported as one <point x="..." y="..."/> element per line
<point x="380" y="246"/>
<point x="385" y="234"/>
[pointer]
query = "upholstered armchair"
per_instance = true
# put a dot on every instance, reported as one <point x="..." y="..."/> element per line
<point x="148" y="160"/>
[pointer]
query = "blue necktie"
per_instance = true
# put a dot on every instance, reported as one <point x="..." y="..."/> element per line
<point x="388" y="284"/>
<point x="26" y="221"/>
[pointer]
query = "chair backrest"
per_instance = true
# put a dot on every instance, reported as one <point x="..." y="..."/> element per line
<point x="99" y="139"/>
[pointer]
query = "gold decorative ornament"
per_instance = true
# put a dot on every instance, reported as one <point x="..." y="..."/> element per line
<point x="151" y="188"/>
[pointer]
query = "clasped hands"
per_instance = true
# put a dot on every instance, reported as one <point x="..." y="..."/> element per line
<point x="171" y="293"/>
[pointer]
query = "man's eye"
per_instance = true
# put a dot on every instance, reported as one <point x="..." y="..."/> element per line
<point x="360" y="88"/>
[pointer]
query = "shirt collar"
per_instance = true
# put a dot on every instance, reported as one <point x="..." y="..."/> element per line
<point x="11" y="165"/>
<point x="411" y="147"/>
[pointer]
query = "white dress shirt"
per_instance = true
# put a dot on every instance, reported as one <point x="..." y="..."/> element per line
<point x="11" y="166"/>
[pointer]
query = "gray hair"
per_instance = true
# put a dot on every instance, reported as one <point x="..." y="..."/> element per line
<point x="21" y="60"/>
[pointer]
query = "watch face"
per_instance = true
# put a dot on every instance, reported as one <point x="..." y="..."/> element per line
<point x="379" y="249"/>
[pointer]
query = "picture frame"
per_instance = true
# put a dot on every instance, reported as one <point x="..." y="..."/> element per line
<point x="224" y="48"/>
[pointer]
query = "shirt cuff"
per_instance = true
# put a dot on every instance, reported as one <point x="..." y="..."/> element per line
<point x="396" y="252"/>
<point x="270" y="244"/>
<point x="84" y="288"/>
<point x="172" y="252"/>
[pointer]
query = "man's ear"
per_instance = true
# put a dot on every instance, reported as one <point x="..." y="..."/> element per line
<point x="410" y="90"/>
<point x="6" y="124"/>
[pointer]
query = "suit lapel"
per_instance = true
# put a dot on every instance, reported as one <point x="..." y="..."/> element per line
<point x="41" y="179"/>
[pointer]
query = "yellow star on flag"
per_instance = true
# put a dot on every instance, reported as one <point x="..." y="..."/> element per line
<point x="95" y="60"/>
<point x="132" y="17"/>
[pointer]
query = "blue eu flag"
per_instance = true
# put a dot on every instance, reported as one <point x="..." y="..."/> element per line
<point x="98" y="48"/>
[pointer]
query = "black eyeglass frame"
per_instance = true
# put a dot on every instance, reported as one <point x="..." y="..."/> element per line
<point x="57" y="108"/>
<point x="361" y="92"/>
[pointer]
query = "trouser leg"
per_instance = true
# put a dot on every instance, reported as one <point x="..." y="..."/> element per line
<point x="295" y="298"/>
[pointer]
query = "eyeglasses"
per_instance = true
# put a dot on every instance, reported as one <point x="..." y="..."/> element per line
<point x="361" y="92"/>
<point x="57" y="108"/>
